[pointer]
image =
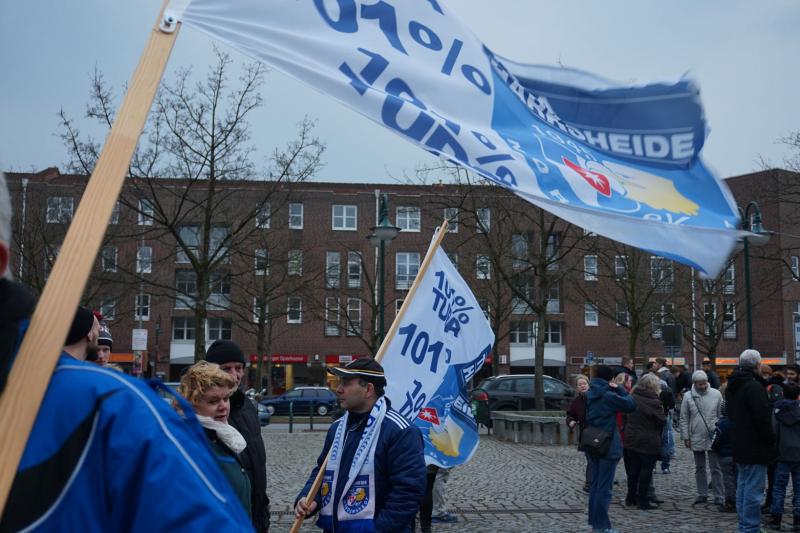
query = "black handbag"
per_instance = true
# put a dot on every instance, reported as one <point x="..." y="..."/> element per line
<point x="595" y="441"/>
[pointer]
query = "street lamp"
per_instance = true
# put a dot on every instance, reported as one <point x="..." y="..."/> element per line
<point x="759" y="237"/>
<point x="382" y="234"/>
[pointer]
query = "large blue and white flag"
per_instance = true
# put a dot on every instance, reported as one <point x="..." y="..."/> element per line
<point x="619" y="161"/>
<point x="442" y="340"/>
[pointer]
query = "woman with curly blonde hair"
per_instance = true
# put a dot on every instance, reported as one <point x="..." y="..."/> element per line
<point x="208" y="388"/>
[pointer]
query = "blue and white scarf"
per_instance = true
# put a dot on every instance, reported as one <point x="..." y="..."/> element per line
<point x="356" y="509"/>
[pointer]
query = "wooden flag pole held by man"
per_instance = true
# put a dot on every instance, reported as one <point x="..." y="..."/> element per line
<point x="312" y="493"/>
<point x="44" y="340"/>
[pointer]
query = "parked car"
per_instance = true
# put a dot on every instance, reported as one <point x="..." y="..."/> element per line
<point x="304" y="400"/>
<point x="515" y="393"/>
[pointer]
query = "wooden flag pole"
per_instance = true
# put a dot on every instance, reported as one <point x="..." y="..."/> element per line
<point x="312" y="492"/>
<point x="55" y="311"/>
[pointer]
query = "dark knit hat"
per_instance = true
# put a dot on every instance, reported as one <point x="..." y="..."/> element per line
<point x="81" y="325"/>
<point x="224" y="351"/>
<point x="604" y="372"/>
<point x="366" y="368"/>
<point x="104" y="339"/>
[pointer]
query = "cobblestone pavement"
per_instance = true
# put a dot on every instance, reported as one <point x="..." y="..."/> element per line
<point x="514" y="487"/>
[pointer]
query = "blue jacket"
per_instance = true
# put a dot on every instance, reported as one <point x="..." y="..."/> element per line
<point x="602" y="404"/>
<point x="107" y="454"/>
<point x="400" y="473"/>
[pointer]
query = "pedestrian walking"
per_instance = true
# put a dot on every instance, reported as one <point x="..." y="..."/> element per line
<point x="603" y="400"/>
<point x="643" y="440"/>
<point x="576" y="418"/>
<point x="753" y="438"/>
<point x="786" y="423"/>
<point x="724" y="447"/>
<point x="700" y="410"/>
<point x="376" y="477"/>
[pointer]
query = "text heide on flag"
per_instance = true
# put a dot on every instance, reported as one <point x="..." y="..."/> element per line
<point x="620" y="161"/>
<point x="442" y="340"/>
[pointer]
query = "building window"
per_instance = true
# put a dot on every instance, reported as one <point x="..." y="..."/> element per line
<point x="354" y="270"/>
<point x="483" y="267"/>
<point x="519" y="251"/>
<point x="190" y="236"/>
<point x="353" y="317"/>
<point x="144" y="260"/>
<point x="551" y="252"/>
<point x="621" y="267"/>
<point x="398" y="304"/>
<point x="590" y="315"/>
<point x="521" y="295"/>
<point x="260" y="306"/>
<point x="218" y="329"/>
<point x="554" y="299"/>
<point x="729" y="321"/>
<point x="484" y="219"/>
<point x="451" y="215"/>
<point x="406" y="268"/>
<point x="264" y="216"/>
<point x="295" y="264"/>
<point x="108" y="308"/>
<point x="663" y="317"/>
<point x="521" y="332"/>
<point x="294" y="310"/>
<point x="142" y="307"/>
<point x="185" y="288"/>
<point x="332" y="270"/>
<point x="345" y="217"/>
<point x="710" y="316"/>
<point x="218" y="244"/>
<point x="553" y="333"/>
<point x="796" y="267"/>
<point x="295" y="216"/>
<point x="623" y="318"/>
<point x="331" y="317"/>
<point x="146" y="212"/>
<point x="108" y="259"/>
<point x="662" y="274"/>
<point x="59" y="209"/>
<point x="114" y="214"/>
<point x="261" y="262"/>
<point x="729" y="280"/>
<point x="590" y="267"/>
<point x="408" y="218"/>
<point x="219" y="293"/>
<point x="183" y="329"/>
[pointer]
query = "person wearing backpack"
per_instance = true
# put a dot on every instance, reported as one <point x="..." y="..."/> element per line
<point x="700" y="410"/>
<point x="603" y="401"/>
<point x="786" y="423"/>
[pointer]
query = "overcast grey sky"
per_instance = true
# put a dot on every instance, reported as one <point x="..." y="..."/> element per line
<point x="744" y="54"/>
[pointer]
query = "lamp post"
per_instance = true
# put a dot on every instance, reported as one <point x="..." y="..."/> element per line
<point x="382" y="234"/>
<point x="751" y="222"/>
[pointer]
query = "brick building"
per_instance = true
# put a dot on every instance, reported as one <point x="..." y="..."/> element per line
<point x="287" y="270"/>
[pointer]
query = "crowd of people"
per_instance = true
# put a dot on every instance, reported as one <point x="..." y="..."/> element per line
<point x="744" y="432"/>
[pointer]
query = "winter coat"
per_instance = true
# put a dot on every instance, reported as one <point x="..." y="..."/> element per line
<point x="786" y="423"/>
<point x="713" y="379"/>
<point x="751" y="419"/>
<point x="602" y="404"/>
<point x="244" y="417"/>
<point x="232" y="468"/>
<point x="644" y="425"/>
<point x="725" y="448"/>
<point x="16" y="305"/>
<point x="667" y="377"/>
<point x="699" y="415"/>
<point x="400" y="473"/>
<point x="577" y="412"/>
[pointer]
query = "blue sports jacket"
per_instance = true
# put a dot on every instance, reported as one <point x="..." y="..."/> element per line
<point x="602" y="404"/>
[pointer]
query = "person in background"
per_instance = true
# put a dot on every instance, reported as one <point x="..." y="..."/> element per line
<point x="643" y="440"/>
<point x="104" y="344"/>
<point x="576" y="418"/>
<point x="786" y="423"/>
<point x="752" y="435"/>
<point x="603" y="401"/>
<point x="793" y="374"/>
<point x="440" y="513"/>
<point x="700" y="410"/>
<point x="713" y="377"/>
<point x="683" y="379"/>
<point x="774" y="384"/>
<point x="724" y="449"/>
<point x="628" y="368"/>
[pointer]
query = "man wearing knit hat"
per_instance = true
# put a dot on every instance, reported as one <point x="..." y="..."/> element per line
<point x="104" y="344"/>
<point x="244" y="417"/>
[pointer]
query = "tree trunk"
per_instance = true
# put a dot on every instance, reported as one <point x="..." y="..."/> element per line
<point x="538" y="384"/>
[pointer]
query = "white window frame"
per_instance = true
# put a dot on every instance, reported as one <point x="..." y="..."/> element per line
<point x="59" y="209"/>
<point x="662" y="274"/>
<point x="218" y="326"/>
<point x="141" y="301"/>
<point x="706" y="307"/>
<point x="256" y="306"/>
<point x="729" y="324"/>
<point x="451" y="215"/>
<point x="191" y="237"/>
<point x="264" y="216"/>
<point x="408" y="218"/>
<point x="294" y="265"/>
<point x="108" y="308"/>
<point x="621" y="267"/>
<point x="519" y="251"/>
<point x="218" y="250"/>
<point x="795" y="262"/>
<point x="483" y="267"/>
<point x="297" y="308"/>
<point x="660" y="319"/>
<point x="406" y="269"/>
<point x="261" y="262"/>
<point x="344" y="217"/>
<point x="146" y="212"/>
<point x="332" y="317"/>
<point x="483" y="219"/>
<point x="219" y="290"/>
<point x="521" y="332"/>
<point x="729" y="280"/>
<point x="182" y="294"/>
<point x="353" y="326"/>
<point x="553" y="305"/>
<point x="333" y="270"/>
<point x="144" y="259"/>
<point x="590" y="268"/>
<point x="551" y="332"/>
<point x="295" y="215"/>
<point x="186" y="325"/>
<point x="354" y="270"/>
<point x="591" y="316"/>
<point x="108" y="258"/>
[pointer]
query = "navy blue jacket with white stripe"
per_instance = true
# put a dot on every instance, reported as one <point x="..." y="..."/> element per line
<point x="400" y="473"/>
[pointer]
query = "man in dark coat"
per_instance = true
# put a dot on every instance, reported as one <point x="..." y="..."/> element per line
<point x="713" y="377"/>
<point x="752" y="435"/>
<point x="244" y="417"/>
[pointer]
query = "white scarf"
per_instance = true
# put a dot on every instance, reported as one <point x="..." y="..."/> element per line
<point x="356" y="508"/>
<point x="228" y="434"/>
